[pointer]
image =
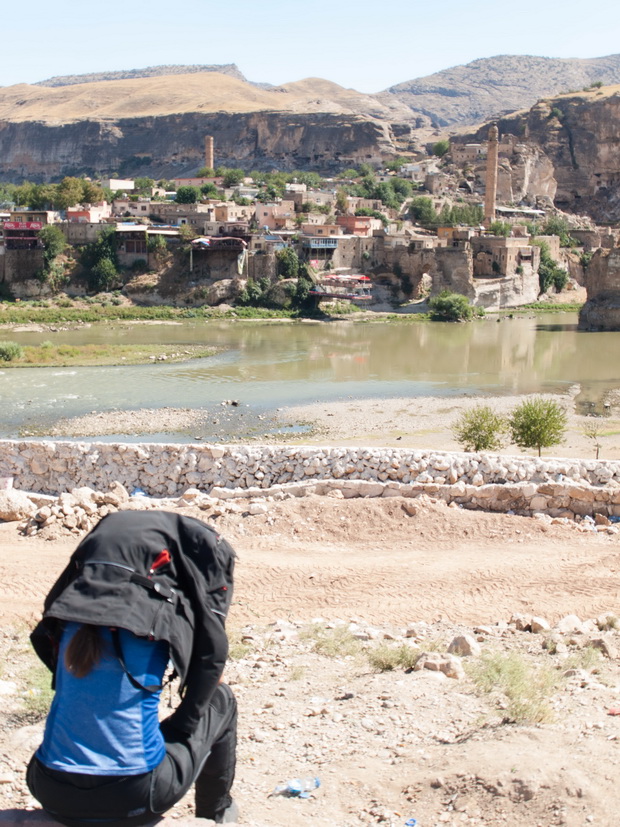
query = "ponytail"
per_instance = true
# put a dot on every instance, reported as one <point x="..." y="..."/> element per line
<point x="83" y="651"/>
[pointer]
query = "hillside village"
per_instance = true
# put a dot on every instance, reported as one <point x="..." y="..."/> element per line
<point x="425" y="226"/>
<point x="446" y="220"/>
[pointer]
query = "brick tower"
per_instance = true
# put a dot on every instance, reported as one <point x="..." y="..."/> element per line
<point x="209" y="151"/>
<point x="491" y="178"/>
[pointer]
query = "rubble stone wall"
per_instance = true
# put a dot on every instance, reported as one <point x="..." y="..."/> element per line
<point x="559" y="487"/>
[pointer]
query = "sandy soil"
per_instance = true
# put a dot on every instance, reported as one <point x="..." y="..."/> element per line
<point x="388" y="746"/>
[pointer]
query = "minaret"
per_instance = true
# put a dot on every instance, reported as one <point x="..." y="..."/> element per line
<point x="491" y="181"/>
<point x="209" y="151"/>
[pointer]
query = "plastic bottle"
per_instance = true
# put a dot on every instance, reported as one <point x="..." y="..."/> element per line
<point x="298" y="787"/>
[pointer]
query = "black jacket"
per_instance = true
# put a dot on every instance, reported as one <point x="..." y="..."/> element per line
<point x="160" y="575"/>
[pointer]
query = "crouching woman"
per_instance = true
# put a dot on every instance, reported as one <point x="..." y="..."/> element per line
<point x="142" y="589"/>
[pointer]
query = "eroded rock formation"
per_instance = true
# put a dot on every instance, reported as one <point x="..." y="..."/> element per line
<point x="602" y="309"/>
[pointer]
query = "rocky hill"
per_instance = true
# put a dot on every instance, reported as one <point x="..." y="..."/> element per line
<point x="150" y="72"/>
<point x="153" y="121"/>
<point x="494" y="86"/>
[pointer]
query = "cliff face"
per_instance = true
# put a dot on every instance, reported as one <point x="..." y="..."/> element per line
<point x="173" y="145"/>
<point x="602" y="309"/>
<point x="577" y="143"/>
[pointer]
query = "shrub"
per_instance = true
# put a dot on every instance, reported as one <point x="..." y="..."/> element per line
<point x="526" y="689"/>
<point x="452" y="307"/>
<point x="480" y="429"/>
<point x="332" y="643"/>
<point x="440" y="148"/>
<point x="103" y="275"/>
<point x="549" y="273"/>
<point x="385" y="658"/>
<point x="10" y="351"/>
<point x="538" y="423"/>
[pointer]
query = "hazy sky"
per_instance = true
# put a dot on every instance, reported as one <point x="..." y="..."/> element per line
<point x="368" y="45"/>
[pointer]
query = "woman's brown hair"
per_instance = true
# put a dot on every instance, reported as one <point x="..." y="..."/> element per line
<point x="84" y="650"/>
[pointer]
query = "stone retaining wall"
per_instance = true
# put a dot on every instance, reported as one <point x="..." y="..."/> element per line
<point x="560" y="487"/>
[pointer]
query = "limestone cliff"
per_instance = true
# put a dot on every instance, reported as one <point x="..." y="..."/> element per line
<point x="173" y="145"/>
<point x="574" y="141"/>
<point x="602" y="309"/>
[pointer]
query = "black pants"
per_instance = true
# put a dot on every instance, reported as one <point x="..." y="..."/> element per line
<point x="206" y="758"/>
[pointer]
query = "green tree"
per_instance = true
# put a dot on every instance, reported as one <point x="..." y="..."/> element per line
<point x="93" y="193"/>
<point x="342" y="201"/>
<point x="395" y="164"/>
<point x="54" y="242"/>
<point x="423" y="211"/>
<point x="440" y="148"/>
<point x="556" y="225"/>
<point x="103" y="275"/>
<point x="549" y="272"/>
<point x="208" y="191"/>
<point x="233" y="177"/>
<point x="205" y="172"/>
<point x="186" y="232"/>
<point x="187" y="195"/>
<point x="70" y="192"/>
<point x="480" y="429"/>
<point x="287" y="263"/>
<point x="366" y="170"/>
<point x="538" y="423"/>
<point x="310" y="179"/>
<point x="500" y="228"/>
<point x="349" y="174"/>
<point x="452" y="307"/>
<point x="144" y="185"/>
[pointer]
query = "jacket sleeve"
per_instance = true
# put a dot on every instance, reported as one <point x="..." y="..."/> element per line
<point x="207" y="563"/>
<point x="208" y="660"/>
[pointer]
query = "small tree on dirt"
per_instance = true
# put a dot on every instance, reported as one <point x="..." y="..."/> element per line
<point x="480" y="429"/>
<point x="594" y="430"/>
<point x="538" y="423"/>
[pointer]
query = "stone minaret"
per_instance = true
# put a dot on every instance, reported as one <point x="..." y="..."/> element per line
<point x="491" y="181"/>
<point x="209" y="151"/>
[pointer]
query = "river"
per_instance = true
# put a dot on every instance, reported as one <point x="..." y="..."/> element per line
<point x="269" y="365"/>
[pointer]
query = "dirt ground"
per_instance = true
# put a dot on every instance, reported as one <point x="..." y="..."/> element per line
<point x="321" y="583"/>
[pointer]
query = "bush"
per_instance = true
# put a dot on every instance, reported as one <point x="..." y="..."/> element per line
<point x="10" y="351"/>
<point x="549" y="273"/>
<point x="103" y="275"/>
<point x="441" y="148"/>
<point x="480" y="429"/>
<point x="452" y="307"/>
<point x="538" y="423"/>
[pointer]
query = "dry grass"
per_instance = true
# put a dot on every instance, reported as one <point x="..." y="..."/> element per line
<point x="337" y="642"/>
<point x="524" y="689"/>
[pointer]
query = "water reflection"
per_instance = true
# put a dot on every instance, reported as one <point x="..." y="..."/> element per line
<point x="272" y="365"/>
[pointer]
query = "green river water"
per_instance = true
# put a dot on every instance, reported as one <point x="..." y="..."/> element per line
<point x="271" y="365"/>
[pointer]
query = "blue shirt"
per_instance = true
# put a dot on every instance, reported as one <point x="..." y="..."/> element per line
<point x="100" y="724"/>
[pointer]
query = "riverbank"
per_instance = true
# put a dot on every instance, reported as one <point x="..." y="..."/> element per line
<point x="48" y="355"/>
<point x="426" y="422"/>
<point x="419" y="422"/>
<point x="115" y="307"/>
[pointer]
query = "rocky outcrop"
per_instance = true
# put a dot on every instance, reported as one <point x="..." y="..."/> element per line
<point x="602" y="309"/>
<point x="565" y="149"/>
<point x="173" y="145"/>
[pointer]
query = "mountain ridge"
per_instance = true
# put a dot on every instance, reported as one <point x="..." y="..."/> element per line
<point x="461" y="95"/>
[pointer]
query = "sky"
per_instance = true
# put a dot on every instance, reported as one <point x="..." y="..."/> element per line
<point x="367" y="45"/>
